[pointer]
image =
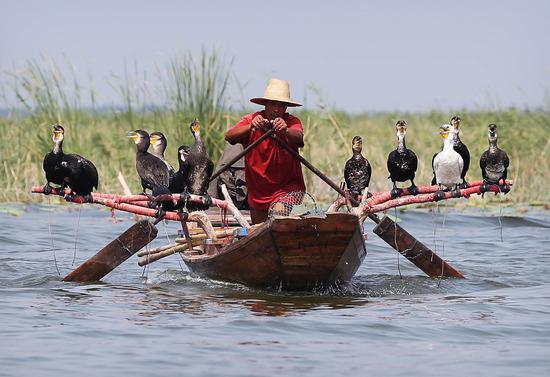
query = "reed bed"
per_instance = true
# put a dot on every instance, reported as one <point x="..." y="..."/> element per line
<point x="188" y="88"/>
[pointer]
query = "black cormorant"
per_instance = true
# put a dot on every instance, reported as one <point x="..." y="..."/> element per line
<point x="402" y="162"/>
<point x="159" y="143"/>
<point x="494" y="164"/>
<point x="357" y="171"/>
<point x="70" y="170"/>
<point x="461" y="149"/>
<point x="447" y="164"/>
<point x="151" y="169"/>
<point x="178" y="179"/>
<point x="199" y="170"/>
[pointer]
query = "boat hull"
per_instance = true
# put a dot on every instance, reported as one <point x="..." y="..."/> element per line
<point x="288" y="253"/>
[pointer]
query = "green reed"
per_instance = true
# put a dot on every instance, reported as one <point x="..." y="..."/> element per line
<point x="524" y="135"/>
<point x="187" y="88"/>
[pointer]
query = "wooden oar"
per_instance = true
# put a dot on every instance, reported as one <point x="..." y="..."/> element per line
<point x="244" y="151"/>
<point x="392" y="233"/>
<point x="112" y="255"/>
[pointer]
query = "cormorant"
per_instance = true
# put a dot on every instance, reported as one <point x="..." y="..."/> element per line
<point x="447" y="164"/>
<point x="461" y="149"/>
<point x="402" y="162"/>
<point x="494" y="164"/>
<point x="159" y="143"/>
<point x="357" y="171"/>
<point x="151" y="169"/>
<point x="199" y="170"/>
<point x="70" y="170"/>
<point x="178" y="179"/>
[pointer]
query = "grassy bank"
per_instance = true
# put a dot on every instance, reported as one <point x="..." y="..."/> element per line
<point x="328" y="145"/>
<point x="189" y="88"/>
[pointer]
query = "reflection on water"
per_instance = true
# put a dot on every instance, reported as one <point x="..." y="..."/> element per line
<point x="165" y="320"/>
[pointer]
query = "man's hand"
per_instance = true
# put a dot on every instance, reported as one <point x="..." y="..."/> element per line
<point x="258" y="122"/>
<point x="280" y="125"/>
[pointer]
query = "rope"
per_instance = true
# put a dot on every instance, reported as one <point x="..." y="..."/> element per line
<point x="395" y="242"/>
<point x="76" y="233"/>
<point x="51" y="237"/>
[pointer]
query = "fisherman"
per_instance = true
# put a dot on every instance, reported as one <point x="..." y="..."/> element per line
<point x="270" y="170"/>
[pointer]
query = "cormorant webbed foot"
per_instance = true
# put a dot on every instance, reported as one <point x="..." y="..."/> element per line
<point x="207" y="200"/>
<point x="439" y="195"/>
<point x="456" y="193"/>
<point x="160" y="213"/>
<point x="484" y="187"/>
<point x="395" y="192"/>
<point x="69" y="197"/>
<point x="464" y="184"/>
<point x="47" y="189"/>
<point x="151" y="203"/>
<point x="504" y="188"/>
<point x="413" y="190"/>
<point x="183" y="215"/>
<point x="89" y="198"/>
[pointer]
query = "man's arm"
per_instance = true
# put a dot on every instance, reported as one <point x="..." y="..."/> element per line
<point x="295" y="137"/>
<point x="292" y="133"/>
<point x="242" y="131"/>
<point x="237" y="134"/>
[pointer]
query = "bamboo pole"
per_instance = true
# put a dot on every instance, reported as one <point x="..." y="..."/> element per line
<point x="233" y="209"/>
<point x="150" y="258"/>
<point x="182" y="244"/>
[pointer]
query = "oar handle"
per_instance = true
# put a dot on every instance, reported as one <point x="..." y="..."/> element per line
<point x="240" y="155"/>
<point x="318" y="173"/>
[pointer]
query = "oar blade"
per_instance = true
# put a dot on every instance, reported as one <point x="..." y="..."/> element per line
<point x="414" y="250"/>
<point x="116" y="252"/>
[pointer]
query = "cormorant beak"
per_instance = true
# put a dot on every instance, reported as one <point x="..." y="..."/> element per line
<point x="134" y="136"/>
<point x="57" y="135"/>
<point x="154" y="140"/>
<point x="195" y="126"/>
<point x="445" y="131"/>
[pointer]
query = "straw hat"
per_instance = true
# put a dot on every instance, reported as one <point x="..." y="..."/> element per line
<point x="277" y="90"/>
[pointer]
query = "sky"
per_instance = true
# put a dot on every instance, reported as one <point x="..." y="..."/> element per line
<point x="358" y="55"/>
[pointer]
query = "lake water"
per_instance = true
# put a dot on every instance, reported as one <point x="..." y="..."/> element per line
<point x="391" y="320"/>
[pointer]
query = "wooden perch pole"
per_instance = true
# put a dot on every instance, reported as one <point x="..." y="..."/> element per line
<point x="233" y="209"/>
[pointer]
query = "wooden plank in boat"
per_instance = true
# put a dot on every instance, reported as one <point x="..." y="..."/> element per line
<point x="214" y="214"/>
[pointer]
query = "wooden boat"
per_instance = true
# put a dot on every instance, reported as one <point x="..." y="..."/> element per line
<point x="289" y="253"/>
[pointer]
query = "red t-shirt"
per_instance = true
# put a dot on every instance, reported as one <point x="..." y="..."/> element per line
<point x="270" y="170"/>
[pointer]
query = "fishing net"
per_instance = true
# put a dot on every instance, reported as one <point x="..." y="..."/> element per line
<point x="295" y="203"/>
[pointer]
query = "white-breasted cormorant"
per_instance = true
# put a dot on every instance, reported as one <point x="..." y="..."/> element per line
<point x="402" y="162"/>
<point x="447" y="164"/>
<point x="357" y="171"/>
<point x="494" y="164"/>
<point x="70" y="170"/>
<point x="178" y="181"/>
<point x="159" y="143"/>
<point x="461" y="149"/>
<point x="199" y="170"/>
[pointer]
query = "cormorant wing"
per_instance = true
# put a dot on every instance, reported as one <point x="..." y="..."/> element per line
<point x="414" y="160"/>
<point x="153" y="170"/>
<point x="483" y="160"/>
<point x="505" y="159"/>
